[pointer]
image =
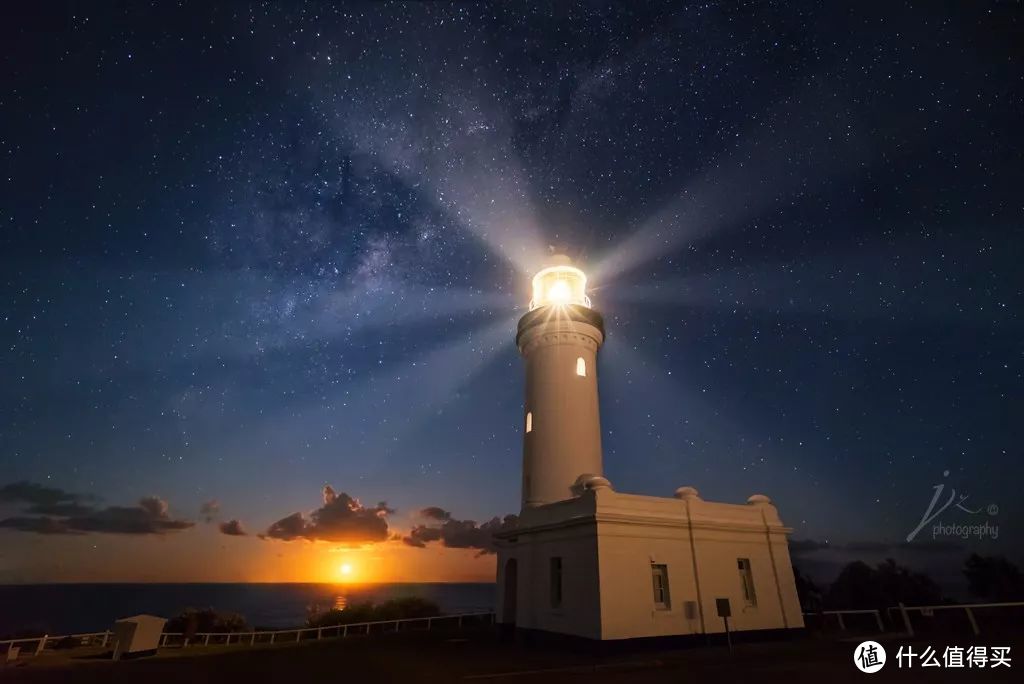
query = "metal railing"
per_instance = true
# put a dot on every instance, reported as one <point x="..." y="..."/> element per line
<point x="252" y="638"/>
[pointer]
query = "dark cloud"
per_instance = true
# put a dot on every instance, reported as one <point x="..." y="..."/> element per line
<point x="38" y="499"/>
<point x="232" y="528"/>
<point x="799" y="547"/>
<point x="150" y="516"/>
<point x="803" y="547"/>
<point x="435" y="513"/>
<point x="54" y="511"/>
<point x="867" y="547"/>
<point x="209" y="510"/>
<point x="39" y="525"/>
<point x="933" y="546"/>
<point x="457" y="534"/>
<point x="341" y="519"/>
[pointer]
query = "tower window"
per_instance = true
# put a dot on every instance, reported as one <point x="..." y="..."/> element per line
<point x="555" y="576"/>
<point x="581" y="367"/>
<point x="747" y="581"/>
<point x="659" y="576"/>
<point x="529" y="421"/>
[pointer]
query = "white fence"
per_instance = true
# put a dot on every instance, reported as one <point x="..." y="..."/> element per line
<point x="968" y="608"/>
<point x="33" y="646"/>
<point x="925" y="611"/>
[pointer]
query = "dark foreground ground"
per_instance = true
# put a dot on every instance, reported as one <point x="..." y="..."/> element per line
<point x="482" y="657"/>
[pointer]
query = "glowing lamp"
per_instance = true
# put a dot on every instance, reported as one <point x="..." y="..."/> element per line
<point x="559" y="285"/>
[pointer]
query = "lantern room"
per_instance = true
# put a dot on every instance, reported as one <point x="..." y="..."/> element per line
<point x="559" y="284"/>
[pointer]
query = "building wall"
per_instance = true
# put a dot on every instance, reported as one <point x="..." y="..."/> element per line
<point x="627" y="552"/>
<point x="579" y="612"/>
<point x="609" y="542"/>
<point x="718" y="552"/>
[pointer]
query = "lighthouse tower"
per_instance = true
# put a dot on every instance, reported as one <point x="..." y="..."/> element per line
<point x="583" y="560"/>
<point x="559" y="339"/>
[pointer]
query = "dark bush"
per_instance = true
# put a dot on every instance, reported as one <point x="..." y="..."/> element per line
<point x="68" y="642"/>
<point x="395" y="609"/>
<point x="408" y="607"/>
<point x="994" y="578"/>
<point x="193" y="620"/>
<point x="859" y="586"/>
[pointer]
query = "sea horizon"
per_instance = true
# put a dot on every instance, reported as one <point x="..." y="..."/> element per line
<point x="79" y="607"/>
<point x="350" y="584"/>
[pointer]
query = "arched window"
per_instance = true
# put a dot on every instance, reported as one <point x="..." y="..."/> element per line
<point x="529" y="421"/>
<point x="581" y="367"/>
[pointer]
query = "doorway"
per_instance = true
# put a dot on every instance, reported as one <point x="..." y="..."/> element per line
<point x="509" y="600"/>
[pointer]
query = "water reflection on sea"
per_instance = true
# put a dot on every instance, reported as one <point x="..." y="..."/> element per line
<point x="339" y="602"/>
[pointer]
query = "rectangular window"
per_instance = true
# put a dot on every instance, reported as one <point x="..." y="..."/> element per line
<point x="556" y="582"/>
<point x="659" y="576"/>
<point x="529" y="421"/>
<point x="747" y="581"/>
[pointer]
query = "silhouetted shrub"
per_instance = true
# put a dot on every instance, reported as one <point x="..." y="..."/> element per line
<point x="193" y="620"/>
<point x="395" y="609"/>
<point x="994" y="578"/>
<point x="408" y="607"/>
<point x="861" y="586"/>
<point x="68" y="642"/>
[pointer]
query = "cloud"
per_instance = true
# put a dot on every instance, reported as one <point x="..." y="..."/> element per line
<point x="804" y="547"/>
<point x="55" y="511"/>
<point x="457" y="534"/>
<point x="232" y="528"/>
<point x="435" y="513"/>
<point x="209" y="510"/>
<point x="341" y="519"/>
<point x="867" y="547"/>
<point x="40" y="525"/>
<point x="42" y="500"/>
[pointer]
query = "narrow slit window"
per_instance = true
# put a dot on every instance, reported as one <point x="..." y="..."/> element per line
<point x="747" y="581"/>
<point x="556" y="582"/>
<point x="529" y="421"/>
<point x="581" y="367"/>
<point x="659" y="577"/>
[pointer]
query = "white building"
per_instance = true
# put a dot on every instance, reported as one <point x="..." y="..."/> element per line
<point x="591" y="562"/>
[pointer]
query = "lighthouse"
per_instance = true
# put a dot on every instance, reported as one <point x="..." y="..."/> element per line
<point x="559" y="339"/>
<point x="586" y="561"/>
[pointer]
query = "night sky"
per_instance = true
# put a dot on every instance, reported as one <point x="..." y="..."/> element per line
<point x="252" y="250"/>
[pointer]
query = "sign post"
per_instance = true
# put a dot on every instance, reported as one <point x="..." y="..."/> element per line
<point x="724" y="611"/>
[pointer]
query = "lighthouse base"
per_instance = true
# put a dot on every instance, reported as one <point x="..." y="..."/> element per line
<point x="610" y="566"/>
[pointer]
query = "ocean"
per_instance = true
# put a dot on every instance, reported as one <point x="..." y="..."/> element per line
<point x="73" y="608"/>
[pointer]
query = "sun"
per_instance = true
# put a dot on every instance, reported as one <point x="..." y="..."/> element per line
<point x="346" y="569"/>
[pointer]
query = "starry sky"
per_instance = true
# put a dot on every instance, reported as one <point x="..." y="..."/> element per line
<point x="261" y="264"/>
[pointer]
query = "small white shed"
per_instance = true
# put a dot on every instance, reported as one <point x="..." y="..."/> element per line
<point x="137" y="636"/>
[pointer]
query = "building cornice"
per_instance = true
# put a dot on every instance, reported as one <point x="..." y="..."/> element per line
<point x="645" y="521"/>
<point x="571" y="319"/>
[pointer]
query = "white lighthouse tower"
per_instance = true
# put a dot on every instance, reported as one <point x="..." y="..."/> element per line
<point x="587" y="561"/>
<point x="559" y="339"/>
